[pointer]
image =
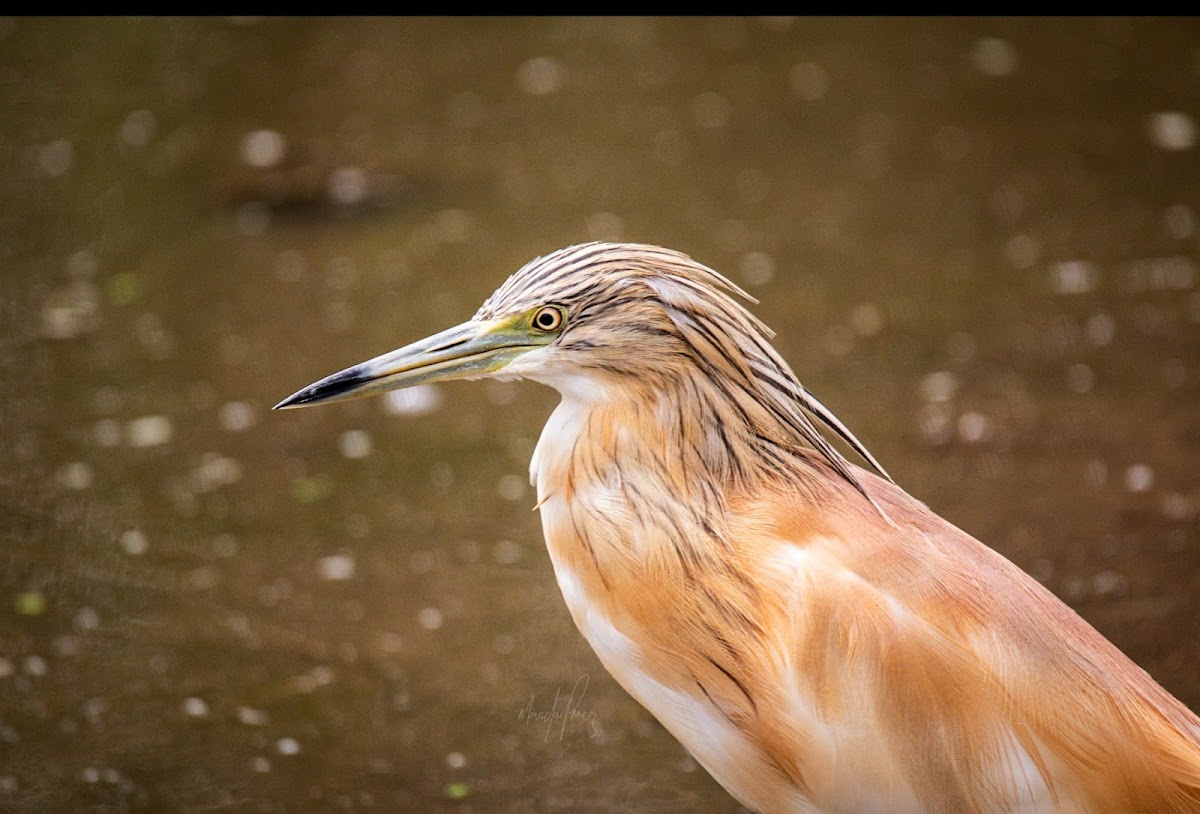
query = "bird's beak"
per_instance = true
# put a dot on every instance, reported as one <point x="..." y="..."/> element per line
<point x="467" y="351"/>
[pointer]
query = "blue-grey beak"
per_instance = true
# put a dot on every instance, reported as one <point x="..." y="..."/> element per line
<point x="467" y="351"/>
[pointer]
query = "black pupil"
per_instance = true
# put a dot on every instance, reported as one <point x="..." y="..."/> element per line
<point x="546" y="319"/>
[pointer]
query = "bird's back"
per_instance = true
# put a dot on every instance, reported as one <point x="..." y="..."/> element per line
<point x="980" y="689"/>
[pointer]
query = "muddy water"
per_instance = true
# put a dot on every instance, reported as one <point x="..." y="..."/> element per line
<point x="978" y="242"/>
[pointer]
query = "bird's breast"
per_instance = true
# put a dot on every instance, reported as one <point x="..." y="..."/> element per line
<point x="610" y="609"/>
<point x="654" y="628"/>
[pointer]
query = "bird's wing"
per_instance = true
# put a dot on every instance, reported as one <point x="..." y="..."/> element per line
<point x="956" y="675"/>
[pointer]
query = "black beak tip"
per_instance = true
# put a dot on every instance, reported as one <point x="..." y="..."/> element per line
<point x="327" y="388"/>
<point x="301" y="397"/>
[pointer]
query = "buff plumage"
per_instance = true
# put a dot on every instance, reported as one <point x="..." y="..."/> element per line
<point x="818" y="638"/>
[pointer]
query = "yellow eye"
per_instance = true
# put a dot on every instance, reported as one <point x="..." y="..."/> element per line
<point x="548" y="319"/>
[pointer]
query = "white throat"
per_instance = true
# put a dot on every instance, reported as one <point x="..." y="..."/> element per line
<point x="580" y="394"/>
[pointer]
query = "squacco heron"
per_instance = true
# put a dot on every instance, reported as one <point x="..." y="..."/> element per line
<point x="816" y="637"/>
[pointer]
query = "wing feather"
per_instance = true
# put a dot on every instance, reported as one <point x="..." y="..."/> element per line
<point x="986" y="691"/>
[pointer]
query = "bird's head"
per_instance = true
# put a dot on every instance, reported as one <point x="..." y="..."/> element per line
<point x="586" y="320"/>
<point x="603" y="321"/>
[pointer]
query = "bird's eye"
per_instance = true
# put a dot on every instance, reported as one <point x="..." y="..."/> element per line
<point x="548" y="318"/>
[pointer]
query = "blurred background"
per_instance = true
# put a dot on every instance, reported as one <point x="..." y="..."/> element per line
<point x="977" y="240"/>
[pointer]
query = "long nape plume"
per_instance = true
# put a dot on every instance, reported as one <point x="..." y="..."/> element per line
<point x="735" y="341"/>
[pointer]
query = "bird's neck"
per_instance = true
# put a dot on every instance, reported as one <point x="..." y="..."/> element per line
<point x="683" y="439"/>
<point x="637" y="490"/>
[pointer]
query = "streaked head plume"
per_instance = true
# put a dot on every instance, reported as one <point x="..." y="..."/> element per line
<point x="643" y="318"/>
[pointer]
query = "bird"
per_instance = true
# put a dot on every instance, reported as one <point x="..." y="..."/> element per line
<point x="818" y="639"/>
